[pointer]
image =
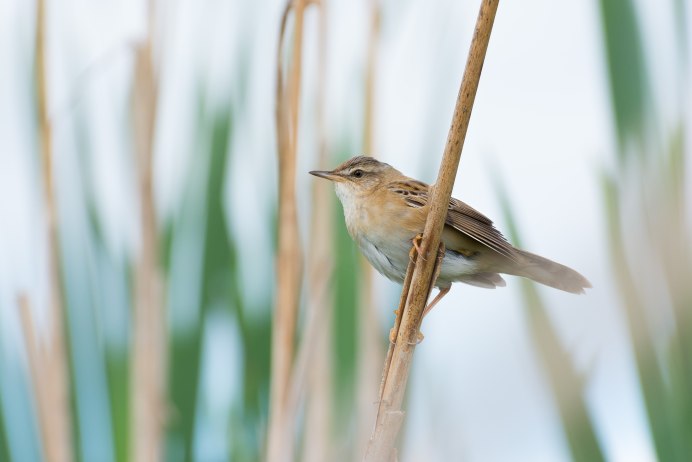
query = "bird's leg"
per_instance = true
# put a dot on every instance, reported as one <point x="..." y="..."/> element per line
<point x="438" y="266"/>
<point x="440" y="295"/>
<point x="436" y="272"/>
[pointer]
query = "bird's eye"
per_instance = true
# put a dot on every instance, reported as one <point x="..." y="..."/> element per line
<point x="357" y="173"/>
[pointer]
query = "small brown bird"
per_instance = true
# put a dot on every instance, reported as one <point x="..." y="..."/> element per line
<point x="385" y="210"/>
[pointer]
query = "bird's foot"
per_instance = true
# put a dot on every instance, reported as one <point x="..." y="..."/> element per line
<point x="416" y="241"/>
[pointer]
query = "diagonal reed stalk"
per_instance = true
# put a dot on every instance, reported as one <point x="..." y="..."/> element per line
<point x="148" y="404"/>
<point x="565" y="382"/>
<point x="390" y="416"/>
<point x="646" y="204"/>
<point x="289" y="260"/>
<point x="56" y="425"/>
<point x="39" y="369"/>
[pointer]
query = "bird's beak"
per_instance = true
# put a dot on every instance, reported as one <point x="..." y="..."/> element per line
<point x="331" y="176"/>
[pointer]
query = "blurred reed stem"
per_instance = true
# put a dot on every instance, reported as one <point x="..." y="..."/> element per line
<point x="564" y="381"/>
<point x="289" y="259"/>
<point x="148" y="382"/>
<point x="370" y="73"/>
<point x="645" y="211"/>
<point x="320" y="303"/>
<point x="37" y="366"/>
<point x="390" y="416"/>
<point x="57" y="424"/>
<point x="370" y="342"/>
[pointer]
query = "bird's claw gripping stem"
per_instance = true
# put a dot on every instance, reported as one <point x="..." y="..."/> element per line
<point x="416" y="241"/>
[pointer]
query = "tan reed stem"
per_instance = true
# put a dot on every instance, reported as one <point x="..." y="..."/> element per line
<point x="289" y="260"/>
<point x="57" y="426"/>
<point x="370" y="348"/>
<point x="148" y="381"/>
<point x="370" y="68"/>
<point x="320" y="303"/>
<point x="37" y="368"/>
<point x="389" y="419"/>
<point x="310" y="374"/>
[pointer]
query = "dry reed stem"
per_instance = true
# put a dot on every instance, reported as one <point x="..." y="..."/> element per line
<point x="320" y="302"/>
<point x="312" y="371"/>
<point x="373" y="45"/>
<point x="289" y="264"/>
<point x="312" y="359"/>
<point x="148" y="386"/>
<point x="389" y="420"/>
<point x="397" y="324"/>
<point x="57" y="425"/>
<point x="37" y="367"/>
<point x="369" y="346"/>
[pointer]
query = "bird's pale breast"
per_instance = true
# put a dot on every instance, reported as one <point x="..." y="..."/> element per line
<point x="384" y="226"/>
<point x="383" y="230"/>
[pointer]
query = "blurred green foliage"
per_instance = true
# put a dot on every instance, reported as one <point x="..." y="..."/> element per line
<point x="650" y="173"/>
<point x="564" y="381"/>
<point x="4" y="449"/>
<point x="217" y="280"/>
<point x="629" y="85"/>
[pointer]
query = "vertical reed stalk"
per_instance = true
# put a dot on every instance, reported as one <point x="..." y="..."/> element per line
<point x="373" y="45"/>
<point x="390" y="416"/>
<point x="289" y="264"/>
<point x="57" y="423"/>
<point x="320" y="303"/>
<point x="316" y="342"/>
<point x="369" y="346"/>
<point x="148" y="405"/>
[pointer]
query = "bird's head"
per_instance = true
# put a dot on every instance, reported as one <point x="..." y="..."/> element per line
<point x="358" y="176"/>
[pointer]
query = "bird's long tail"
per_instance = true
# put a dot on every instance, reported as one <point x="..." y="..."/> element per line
<point x="550" y="273"/>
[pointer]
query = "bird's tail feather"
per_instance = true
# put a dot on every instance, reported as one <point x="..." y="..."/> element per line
<point x="550" y="273"/>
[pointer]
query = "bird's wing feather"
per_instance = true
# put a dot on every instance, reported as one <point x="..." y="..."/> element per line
<point x="460" y="216"/>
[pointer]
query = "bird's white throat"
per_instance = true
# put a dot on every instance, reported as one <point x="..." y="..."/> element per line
<point x="352" y="205"/>
<point x="346" y="194"/>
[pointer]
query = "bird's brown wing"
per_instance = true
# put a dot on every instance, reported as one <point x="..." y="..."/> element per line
<point x="477" y="226"/>
<point x="461" y="217"/>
